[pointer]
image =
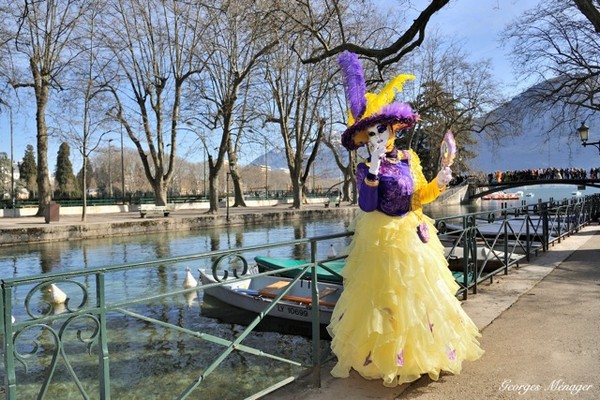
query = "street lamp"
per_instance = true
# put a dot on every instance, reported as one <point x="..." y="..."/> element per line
<point x="122" y="168"/>
<point x="266" y="173"/>
<point x="110" y="192"/>
<point x="584" y="135"/>
<point x="12" y="167"/>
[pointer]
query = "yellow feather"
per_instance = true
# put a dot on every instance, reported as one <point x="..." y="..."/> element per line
<point x="388" y="93"/>
<point x="386" y="96"/>
<point x="376" y="101"/>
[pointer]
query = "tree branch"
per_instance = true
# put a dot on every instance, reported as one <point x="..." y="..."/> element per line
<point x="400" y="47"/>
<point x="590" y="12"/>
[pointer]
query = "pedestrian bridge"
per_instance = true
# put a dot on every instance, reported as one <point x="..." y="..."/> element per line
<point x="483" y="189"/>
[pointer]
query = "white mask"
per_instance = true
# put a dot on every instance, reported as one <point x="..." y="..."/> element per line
<point x="378" y="134"/>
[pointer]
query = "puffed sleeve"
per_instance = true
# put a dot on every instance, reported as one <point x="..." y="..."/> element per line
<point x="368" y="186"/>
<point x="425" y="192"/>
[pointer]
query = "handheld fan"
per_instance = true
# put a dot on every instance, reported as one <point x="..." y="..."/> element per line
<point x="447" y="149"/>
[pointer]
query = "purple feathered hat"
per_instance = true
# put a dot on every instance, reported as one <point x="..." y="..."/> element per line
<point x="367" y="109"/>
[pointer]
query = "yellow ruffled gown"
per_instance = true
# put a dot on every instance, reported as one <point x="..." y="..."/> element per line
<point x="398" y="317"/>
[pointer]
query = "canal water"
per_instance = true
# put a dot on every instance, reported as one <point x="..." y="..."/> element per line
<point x="151" y="362"/>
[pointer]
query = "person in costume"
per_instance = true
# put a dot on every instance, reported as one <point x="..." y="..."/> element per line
<point x="398" y="316"/>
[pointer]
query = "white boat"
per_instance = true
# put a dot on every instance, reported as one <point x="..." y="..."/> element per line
<point x="488" y="259"/>
<point x="256" y="293"/>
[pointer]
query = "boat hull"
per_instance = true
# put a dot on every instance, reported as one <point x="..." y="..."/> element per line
<point x="255" y="294"/>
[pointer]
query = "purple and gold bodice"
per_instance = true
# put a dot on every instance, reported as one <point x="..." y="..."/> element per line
<point x="393" y="194"/>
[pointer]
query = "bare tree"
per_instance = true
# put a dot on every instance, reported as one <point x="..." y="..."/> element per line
<point x="239" y="38"/>
<point x="298" y="94"/>
<point x="451" y="92"/>
<point x="346" y="162"/>
<point x="327" y="23"/>
<point x="557" y="48"/>
<point x="156" y="48"/>
<point x="83" y="123"/>
<point x="42" y="39"/>
<point x="590" y="11"/>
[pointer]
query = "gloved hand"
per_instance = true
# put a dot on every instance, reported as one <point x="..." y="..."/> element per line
<point x="377" y="153"/>
<point x="444" y="177"/>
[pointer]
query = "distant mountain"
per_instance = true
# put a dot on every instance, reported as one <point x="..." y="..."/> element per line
<point x="531" y="146"/>
<point x="534" y="147"/>
<point x="325" y="166"/>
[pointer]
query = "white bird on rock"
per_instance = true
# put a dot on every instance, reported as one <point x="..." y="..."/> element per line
<point x="57" y="296"/>
<point x="189" y="281"/>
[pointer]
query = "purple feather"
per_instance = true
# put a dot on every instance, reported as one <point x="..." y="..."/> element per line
<point x="397" y="109"/>
<point x="354" y="83"/>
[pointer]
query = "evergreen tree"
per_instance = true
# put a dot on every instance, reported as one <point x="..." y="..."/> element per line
<point x="439" y="110"/>
<point x="28" y="170"/>
<point x="65" y="179"/>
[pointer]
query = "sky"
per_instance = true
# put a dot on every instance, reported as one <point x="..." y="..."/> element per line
<point x="475" y="23"/>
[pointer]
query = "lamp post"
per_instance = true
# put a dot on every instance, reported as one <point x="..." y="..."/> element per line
<point x="110" y="192"/>
<point x="584" y="135"/>
<point x="204" y="173"/>
<point x="122" y="168"/>
<point x="12" y="167"/>
<point x="266" y="173"/>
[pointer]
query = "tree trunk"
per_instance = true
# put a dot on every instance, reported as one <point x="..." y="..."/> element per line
<point x="43" y="179"/>
<point x="297" y="189"/>
<point x="238" y="193"/>
<point x="160" y="192"/>
<point x="346" y="186"/>
<point x="84" y="186"/>
<point x="213" y="194"/>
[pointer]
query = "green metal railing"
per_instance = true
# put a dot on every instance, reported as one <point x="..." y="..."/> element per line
<point x="90" y="308"/>
<point x="89" y="316"/>
<point x="490" y="242"/>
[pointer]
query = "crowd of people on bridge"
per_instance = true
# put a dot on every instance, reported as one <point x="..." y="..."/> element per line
<point x="542" y="174"/>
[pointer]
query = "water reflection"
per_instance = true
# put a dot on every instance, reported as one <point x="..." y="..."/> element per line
<point x="299" y="251"/>
<point x="34" y="259"/>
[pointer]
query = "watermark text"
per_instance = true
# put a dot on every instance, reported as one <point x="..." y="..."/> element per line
<point x="557" y="385"/>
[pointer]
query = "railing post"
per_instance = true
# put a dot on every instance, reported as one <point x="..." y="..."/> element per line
<point x="505" y="233"/>
<point x="469" y="251"/>
<point x="103" y="361"/>
<point x="545" y="233"/>
<point x="316" y="324"/>
<point x="527" y="239"/>
<point x="10" y="380"/>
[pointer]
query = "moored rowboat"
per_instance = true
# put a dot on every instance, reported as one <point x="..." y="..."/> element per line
<point x="256" y="293"/>
<point x="280" y="264"/>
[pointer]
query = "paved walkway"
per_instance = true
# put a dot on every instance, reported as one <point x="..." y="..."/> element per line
<point x="70" y="227"/>
<point x="92" y="217"/>
<point x="540" y="330"/>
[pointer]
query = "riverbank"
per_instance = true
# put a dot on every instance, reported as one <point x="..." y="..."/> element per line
<point x="31" y="229"/>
